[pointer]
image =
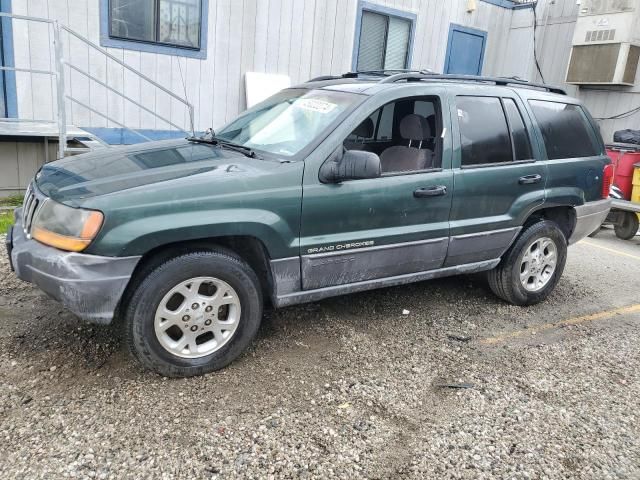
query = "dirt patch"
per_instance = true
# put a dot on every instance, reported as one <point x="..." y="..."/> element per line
<point x="348" y="387"/>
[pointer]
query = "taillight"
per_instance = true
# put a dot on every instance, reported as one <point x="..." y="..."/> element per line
<point x="607" y="180"/>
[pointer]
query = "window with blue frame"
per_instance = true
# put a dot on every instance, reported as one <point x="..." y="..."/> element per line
<point x="384" y="40"/>
<point x="174" y="23"/>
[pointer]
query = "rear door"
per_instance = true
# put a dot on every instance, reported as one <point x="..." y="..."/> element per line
<point x="396" y="224"/>
<point x="498" y="177"/>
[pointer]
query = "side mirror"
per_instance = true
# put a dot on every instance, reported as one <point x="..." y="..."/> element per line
<point x="352" y="165"/>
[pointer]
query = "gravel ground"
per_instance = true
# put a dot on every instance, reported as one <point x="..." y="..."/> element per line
<point x="347" y="387"/>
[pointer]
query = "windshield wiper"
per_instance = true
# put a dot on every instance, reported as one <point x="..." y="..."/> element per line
<point x="210" y="138"/>
<point x="202" y="140"/>
<point x="248" y="151"/>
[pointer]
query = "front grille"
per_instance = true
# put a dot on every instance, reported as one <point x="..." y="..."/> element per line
<point x="29" y="209"/>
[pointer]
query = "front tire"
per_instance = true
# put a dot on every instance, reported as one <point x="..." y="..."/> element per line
<point x="194" y="313"/>
<point x="533" y="265"/>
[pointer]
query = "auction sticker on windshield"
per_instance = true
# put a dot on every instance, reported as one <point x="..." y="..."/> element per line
<point x="314" y="105"/>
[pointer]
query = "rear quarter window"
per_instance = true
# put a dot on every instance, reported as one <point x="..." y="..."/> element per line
<point x="565" y="130"/>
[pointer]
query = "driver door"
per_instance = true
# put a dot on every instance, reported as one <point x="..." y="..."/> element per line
<point x="396" y="224"/>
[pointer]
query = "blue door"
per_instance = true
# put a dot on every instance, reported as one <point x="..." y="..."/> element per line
<point x="465" y="50"/>
<point x="7" y="78"/>
<point x="3" y="92"/>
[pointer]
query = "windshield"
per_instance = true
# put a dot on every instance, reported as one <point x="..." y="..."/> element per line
<point x="287" y="122"/>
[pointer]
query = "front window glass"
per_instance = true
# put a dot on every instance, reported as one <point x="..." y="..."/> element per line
<point x="287" y="122"/>
<point x="405" y="134"/>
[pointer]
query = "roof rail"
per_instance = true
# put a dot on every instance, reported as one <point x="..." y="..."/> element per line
<point x="471" y="78"/>
<point x="373" y="73"/>
<point x="387" y="72"/>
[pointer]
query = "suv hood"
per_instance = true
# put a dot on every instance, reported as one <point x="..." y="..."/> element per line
<point x="121" y="168"/>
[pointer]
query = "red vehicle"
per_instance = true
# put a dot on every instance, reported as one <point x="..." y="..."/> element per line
<point x="624" y="214"/>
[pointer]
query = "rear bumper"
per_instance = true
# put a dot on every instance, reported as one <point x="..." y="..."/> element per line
<point x="588" y="218"/>
<point x="88" y="285"/>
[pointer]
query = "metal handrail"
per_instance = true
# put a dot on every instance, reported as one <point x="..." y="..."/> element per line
<point x="60" y="92"/>
<point x="28" y="70"/>
<point x="106" y="117"/>
<point x="24" y="17"/>
<point x="111" y="89"/>
<point x="131" y="69"/>
<point x="59" y="73"/>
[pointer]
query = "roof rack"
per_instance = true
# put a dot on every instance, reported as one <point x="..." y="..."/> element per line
<point x="371" y="73"/>
<point x="503" y="81"/>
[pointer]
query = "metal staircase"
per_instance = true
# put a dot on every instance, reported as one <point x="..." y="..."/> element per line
<point x="60" y="67"/>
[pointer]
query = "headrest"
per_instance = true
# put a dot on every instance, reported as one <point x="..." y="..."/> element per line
<point x="365" y="129"/>
<point x="415" y="127"/>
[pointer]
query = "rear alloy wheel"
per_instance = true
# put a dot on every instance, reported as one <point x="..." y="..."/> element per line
<point x="194" y="313"/>
<point x="533" y="265"/>
<point x="538" y="264"/>
<point x="628" y="228"/>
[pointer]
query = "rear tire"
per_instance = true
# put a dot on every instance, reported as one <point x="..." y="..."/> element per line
<point x="532" y="266"/>
<point x="168" y="335"/>
<point x="629" y="226"/>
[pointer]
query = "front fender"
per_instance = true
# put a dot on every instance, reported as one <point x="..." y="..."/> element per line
<point x="144" y="234"/>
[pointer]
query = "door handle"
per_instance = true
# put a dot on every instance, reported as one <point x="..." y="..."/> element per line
<point x="530" y="179"/>
<point x="432" y="191"/>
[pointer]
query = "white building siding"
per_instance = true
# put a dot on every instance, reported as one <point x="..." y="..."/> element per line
<point x="556" y="22"/>
<point x="299" y="38"/>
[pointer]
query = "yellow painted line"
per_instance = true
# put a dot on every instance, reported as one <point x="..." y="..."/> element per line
<point x="570" y="321"/>
<point x="613" y="250"/>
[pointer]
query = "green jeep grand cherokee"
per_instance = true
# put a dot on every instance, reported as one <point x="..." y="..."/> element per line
<point x="335" y="186"/>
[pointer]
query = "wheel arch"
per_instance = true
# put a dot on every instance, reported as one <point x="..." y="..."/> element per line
<point x="564" y="216"/>
<point x="250" y="249"/>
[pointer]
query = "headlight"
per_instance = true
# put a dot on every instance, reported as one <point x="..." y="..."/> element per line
<point x="64" y="227"/>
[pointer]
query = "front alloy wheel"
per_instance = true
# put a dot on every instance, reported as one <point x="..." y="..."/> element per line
<point x="197" y="317"/>
<point x="193" y="313"/>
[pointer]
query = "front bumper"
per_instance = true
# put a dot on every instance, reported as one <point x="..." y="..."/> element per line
<point x="88" y="285"/>
<point x="589" y="217"/>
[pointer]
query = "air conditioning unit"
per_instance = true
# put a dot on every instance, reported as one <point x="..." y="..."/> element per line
<point x="606" y="43"/>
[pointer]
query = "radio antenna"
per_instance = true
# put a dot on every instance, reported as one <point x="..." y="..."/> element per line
<point x="186" y="97"/>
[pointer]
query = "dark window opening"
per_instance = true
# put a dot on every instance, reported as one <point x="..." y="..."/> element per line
<point x="521" y="142"/>
<point x="484" y="133"/>
<point x="406" y="134"/>
<point x="492" y="130"/>
<point x="167" y="22"/>
<point x="565" y="130"/>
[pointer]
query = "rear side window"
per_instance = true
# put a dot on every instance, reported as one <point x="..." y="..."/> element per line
<point x="521" y="143"/>
<point x="565" y="130"/>
<point x="484" y="135"/>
